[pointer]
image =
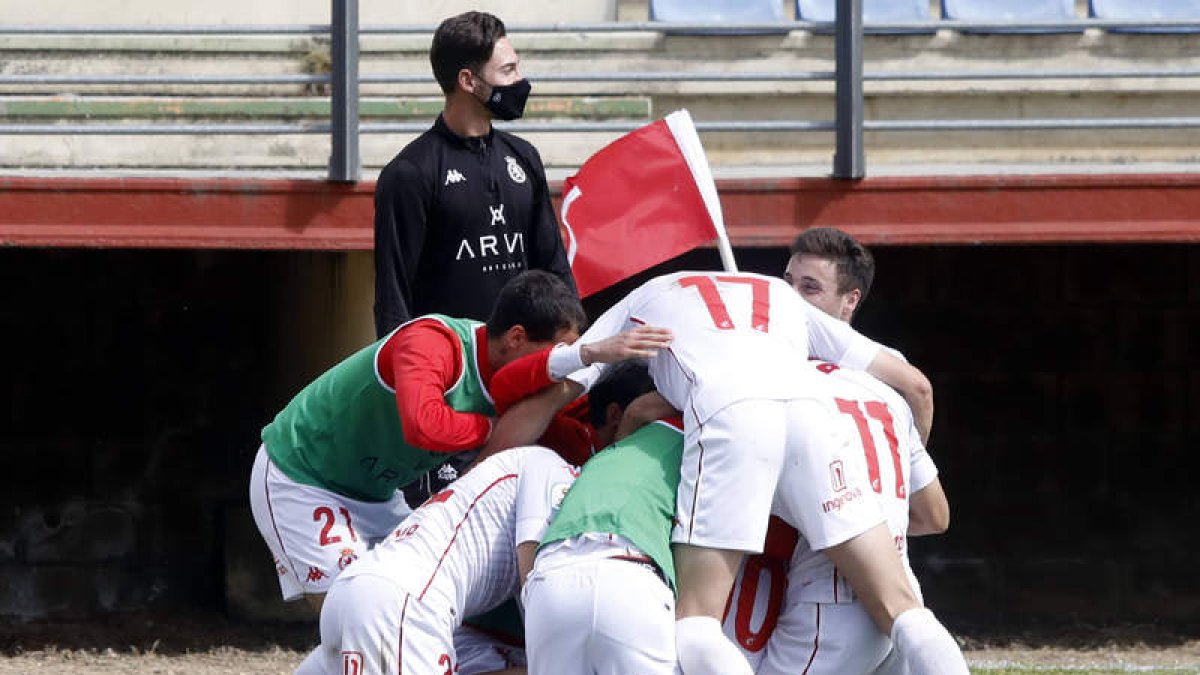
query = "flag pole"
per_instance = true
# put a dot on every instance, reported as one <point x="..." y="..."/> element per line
<point x="684" y="131"/>
<point x="724" y="248"/>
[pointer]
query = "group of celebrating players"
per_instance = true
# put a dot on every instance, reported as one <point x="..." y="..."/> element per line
<point x="623" y="477"/>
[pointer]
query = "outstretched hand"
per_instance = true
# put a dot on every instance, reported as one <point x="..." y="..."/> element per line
<point x="642" y="342"/>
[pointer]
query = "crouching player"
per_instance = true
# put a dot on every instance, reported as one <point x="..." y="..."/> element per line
<point x="601" y="596"/>
<point x="462" y="553"/>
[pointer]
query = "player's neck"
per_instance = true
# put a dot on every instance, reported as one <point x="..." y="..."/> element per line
<point x="466" y="117"/>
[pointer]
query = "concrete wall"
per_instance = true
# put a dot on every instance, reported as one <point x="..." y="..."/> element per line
<point x="132" y="400"/>
<point x="803" y="153"/>
<point x="1067" y="382"/>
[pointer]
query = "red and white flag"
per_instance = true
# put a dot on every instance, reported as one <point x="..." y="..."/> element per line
<point x="643" y="199"/>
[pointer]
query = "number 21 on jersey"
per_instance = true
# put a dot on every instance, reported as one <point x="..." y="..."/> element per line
<point x="709" y="288"/>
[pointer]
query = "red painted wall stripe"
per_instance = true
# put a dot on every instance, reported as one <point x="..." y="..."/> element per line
<point x="316" y="215"/>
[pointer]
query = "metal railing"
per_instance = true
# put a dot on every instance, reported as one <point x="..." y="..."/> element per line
<point x="344" y="80"/>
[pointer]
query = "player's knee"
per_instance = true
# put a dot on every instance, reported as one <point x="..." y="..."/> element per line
<point x="703" y="648"/>
<point x="315" y="601"/>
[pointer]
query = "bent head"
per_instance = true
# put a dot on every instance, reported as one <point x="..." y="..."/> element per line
<point x="610" y="396"/>
<point x="534" y="310"/>
<point x="831" y="270"/>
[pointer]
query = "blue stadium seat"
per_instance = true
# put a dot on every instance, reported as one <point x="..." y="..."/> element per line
<point x="1147" y="10"/>
<point x="874" y="12"/>
<point x="1012" y="10"/>
<point x="718" y="12"/>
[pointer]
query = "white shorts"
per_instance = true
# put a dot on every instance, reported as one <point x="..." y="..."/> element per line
<point x="823" y="488"/>
<point x="731" y="463"/>
<point x="370" y="626"/>
<point x="759" y="456"/>
<point x="313" y="534"/>
<point x="825" y="638"/>
<point x="598" y="615"/>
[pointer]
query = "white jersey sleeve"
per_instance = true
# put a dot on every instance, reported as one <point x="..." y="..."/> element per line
<point x="922" y="470"/>
<point x="837" y="342"/>
<point x="543" y="483"/>
<point x="617" y="318"/>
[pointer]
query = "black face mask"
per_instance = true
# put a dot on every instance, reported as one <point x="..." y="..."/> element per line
<point x="507" y="101"/>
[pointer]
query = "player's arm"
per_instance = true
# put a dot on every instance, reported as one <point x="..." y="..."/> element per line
<point x="541" y="487"/>
<point x="401" y="207"/>
<point x="521" y="378"/>
<point x="912" y="385"/>
<point x="526" y="552"/>
<point x="527" y="420"/>
<point x="928" y="510"/>
<point x="424" y="359"/>
<point x="835" y="341"/>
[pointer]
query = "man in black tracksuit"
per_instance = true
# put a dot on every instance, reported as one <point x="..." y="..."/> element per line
<point x="464" y="207"/>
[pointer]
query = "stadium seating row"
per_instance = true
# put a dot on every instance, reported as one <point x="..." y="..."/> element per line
<point x="899" y="11"/>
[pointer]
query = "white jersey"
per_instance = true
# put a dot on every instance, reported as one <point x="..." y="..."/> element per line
<point x="736" y="336"/>
<point x="878" y="420"/>
<point x="458" y="549"/>
<point x="780" y="588"/>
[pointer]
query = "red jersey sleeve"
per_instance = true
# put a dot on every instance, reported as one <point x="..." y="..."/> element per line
<point x="424" y="360"/>
<point x="570" y="435"/>
<point x="521" y="378"/>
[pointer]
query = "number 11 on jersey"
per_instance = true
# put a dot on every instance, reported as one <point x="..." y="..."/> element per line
<point x="878" y="411"/>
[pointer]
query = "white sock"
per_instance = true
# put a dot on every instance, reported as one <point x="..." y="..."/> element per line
<point x="703" y="649"/>
<point x="925" y="644"/>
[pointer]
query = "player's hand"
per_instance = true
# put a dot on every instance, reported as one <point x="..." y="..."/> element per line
<point x="642" y="342"/>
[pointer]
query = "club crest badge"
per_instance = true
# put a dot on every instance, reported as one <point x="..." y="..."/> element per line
<point x="515" y="172"/>
<point x="346" y="557"/>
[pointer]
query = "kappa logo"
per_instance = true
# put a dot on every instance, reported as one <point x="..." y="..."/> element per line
<point x="447" y="473"/>
<point x="315" y="574"/>
<point x="515" y="172"/>
<point x="453" y="176"/>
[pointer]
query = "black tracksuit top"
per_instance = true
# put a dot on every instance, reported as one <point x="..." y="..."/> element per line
<point x="455" y="218"/>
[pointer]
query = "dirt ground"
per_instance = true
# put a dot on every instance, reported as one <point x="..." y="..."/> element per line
<point x="211" y="645"/>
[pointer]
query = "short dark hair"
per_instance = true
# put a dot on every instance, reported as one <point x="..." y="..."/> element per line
<point x="463" y="41"/>
<point x="855" y="264"/>
<point x="620" y="384"/>
<point x="539" y="302"/>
